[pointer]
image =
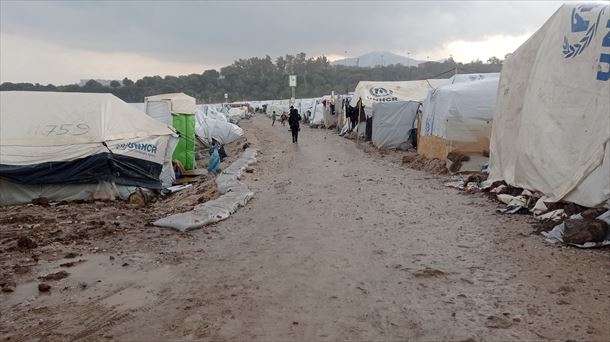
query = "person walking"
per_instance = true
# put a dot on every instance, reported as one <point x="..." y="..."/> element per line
<point x="273" y="116"/>
<point x="294" y="122"/>
<point x="283" y="118"/>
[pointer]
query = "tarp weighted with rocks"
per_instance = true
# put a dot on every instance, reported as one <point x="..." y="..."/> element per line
<point x="234" y="195"/>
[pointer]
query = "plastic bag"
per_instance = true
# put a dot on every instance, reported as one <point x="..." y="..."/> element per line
<point x="214" y="162"/>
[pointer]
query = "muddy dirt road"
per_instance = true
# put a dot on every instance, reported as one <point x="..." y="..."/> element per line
<point x="337" y="244"/>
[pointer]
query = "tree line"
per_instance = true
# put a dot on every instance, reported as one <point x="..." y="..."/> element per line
<point x="261" y="78"/>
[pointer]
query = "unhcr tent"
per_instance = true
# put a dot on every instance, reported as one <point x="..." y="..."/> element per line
<point x="380" y="92"/>
<point x="179" y="110"/>
<point x="551" y="131"/>
<point x="457" y="116"/>
<point x="393" y="123"/>
<point x="69" y="146"/>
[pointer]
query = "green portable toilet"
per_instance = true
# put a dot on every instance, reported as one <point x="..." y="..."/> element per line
<point x="178" y="110"/>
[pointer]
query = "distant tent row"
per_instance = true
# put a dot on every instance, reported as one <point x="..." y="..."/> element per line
<point x="544" y="122"/>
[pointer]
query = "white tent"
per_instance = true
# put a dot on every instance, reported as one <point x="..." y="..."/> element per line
<point x="462" y="108"/>
<point x="551" y="130"/>
<point x="78" y="146"/>
<point x="180" y="103"/>
<point x="161" y="107"/>
<point x="379" y="92"/>
<point x="393" y="123"/>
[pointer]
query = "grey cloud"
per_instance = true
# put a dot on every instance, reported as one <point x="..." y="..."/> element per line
<point x="216" y="33"/>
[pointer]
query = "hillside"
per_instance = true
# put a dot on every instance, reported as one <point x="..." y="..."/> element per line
<point x="377" y="58"/>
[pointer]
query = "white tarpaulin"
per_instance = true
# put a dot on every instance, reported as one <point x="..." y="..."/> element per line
<point x="463" y="96"/>
<point x="214" y="125"/>
<point x="378" y="92"/>
<point x="392" y="123"/>
<point x="551" y="130"/>
<point x="317" y="115"/>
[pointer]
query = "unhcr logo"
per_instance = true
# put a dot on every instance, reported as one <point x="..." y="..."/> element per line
<point x="583" y="26"/>
<point x="380" y="92"/>
<point x="149" y="149"/>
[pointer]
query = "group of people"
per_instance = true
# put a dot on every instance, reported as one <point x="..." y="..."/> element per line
<point x="294" y="121"/>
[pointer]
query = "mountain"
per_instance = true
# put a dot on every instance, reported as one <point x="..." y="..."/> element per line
<point x="376" y="58"/>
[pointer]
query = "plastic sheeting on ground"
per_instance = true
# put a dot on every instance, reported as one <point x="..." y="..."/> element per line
<point x="393" y="122"/>
<point x="234" y="195"/>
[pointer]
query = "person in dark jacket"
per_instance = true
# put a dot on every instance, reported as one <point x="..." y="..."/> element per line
<point x="294" y="122"/>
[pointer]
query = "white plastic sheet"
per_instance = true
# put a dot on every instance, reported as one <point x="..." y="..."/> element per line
<point x="212" y="126"/>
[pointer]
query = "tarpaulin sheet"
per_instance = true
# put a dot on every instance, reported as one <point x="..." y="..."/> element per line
<point x="393" y="122"/>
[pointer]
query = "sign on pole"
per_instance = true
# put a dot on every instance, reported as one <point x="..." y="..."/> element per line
<point x="292" y="80"/>
<point x="226" y="96"/>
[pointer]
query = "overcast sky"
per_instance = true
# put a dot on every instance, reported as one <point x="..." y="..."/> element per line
<point x="62" y="42"/>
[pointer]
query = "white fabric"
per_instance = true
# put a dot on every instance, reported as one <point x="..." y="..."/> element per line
<point x="37" y="127"/>
<point x="552" y="126"/>
<point x="212" y="126"/>
<point x="317" y="115"/>
<point x="374" y="91"/>
<point x="141" y="106"/>
<point x="392" y="123"/>
<point x="463" y="96"/>
<point x="180" y="102"/>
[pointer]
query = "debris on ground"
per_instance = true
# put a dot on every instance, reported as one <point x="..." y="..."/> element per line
<point x="455" y="160"/>
<point x="55" y="276"/>
<point x="8" y="286"/>
<point x="429" y="273"/>
<point x="25" y="242"/>
<point x="137" y="198"/>
<point x="44" y="287"/>
<point x="72" y="263"/>
<point x="582" y="232"/>
<point x="418" y="162"/>
<point x="496" y="322"/>
<point x="71" y="255"/>
<point x="42" y="201"/>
